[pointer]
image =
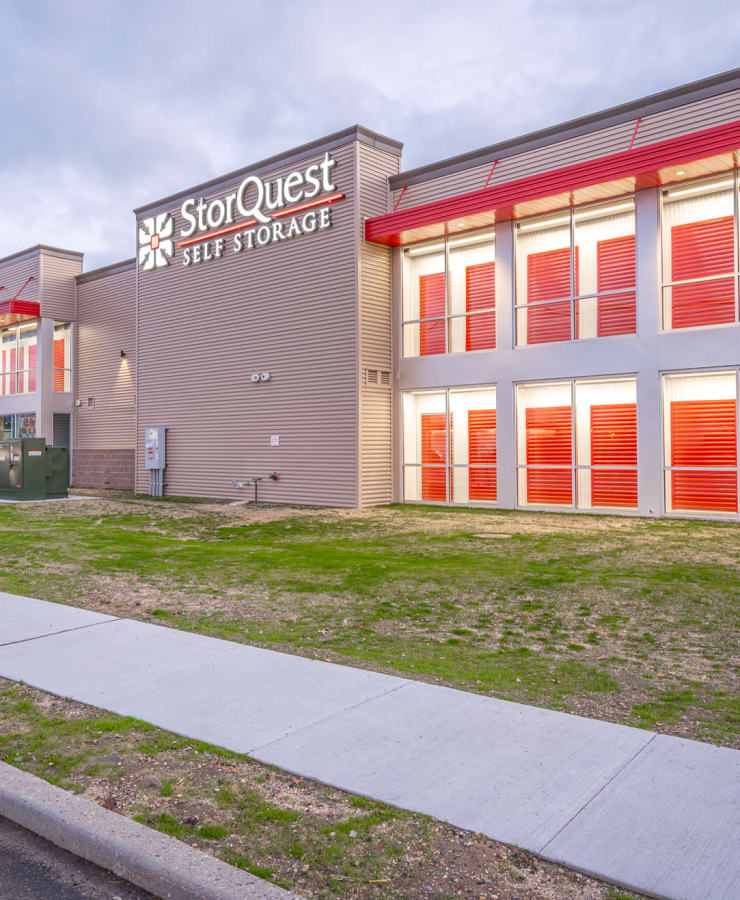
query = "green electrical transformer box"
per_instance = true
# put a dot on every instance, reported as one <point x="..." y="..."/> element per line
<point x="29" y="470"/>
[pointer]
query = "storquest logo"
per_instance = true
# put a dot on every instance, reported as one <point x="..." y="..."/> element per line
<point x="156" y="247"/>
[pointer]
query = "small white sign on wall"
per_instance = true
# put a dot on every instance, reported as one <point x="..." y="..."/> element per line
<point x="274" y="440"/>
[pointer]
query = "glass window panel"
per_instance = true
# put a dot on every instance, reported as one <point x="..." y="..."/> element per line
<point x="545" y="443"/>
<point x="423" y="281"/>
<point x="25" y="425"/>
<point x="62" y="358"/>
<point x="605" y="238"/>
<point x="699" y="243"/>
<point x="700" y="433"/>
<point x="423" y="428"/>
<point x="473" y="445"/>
<point x="545" y="323"/>
<point x="472" y="272"/>
<point x="474" y="332"/>
<point x="543" y="274"/>
<point x="606" y="437"/>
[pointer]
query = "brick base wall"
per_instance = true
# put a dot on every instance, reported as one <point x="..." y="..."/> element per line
<point x="112" y="469"/>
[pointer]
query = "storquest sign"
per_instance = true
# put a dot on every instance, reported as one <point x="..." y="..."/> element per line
<point x="256" y="214"/>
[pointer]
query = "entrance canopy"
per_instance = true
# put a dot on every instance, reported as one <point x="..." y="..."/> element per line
<point x="693" y="155"/>
<point x="14" y="311"/>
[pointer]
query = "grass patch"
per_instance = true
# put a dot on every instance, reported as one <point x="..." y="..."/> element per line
<point x="583" y="614"/>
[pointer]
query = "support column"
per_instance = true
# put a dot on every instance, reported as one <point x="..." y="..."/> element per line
<point x="505" y="341"/>
<point x="649" y="406"/>
<point x="45" y="378"/>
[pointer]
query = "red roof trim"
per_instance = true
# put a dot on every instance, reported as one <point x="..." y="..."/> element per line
<point x="29" y="308"/>
<point x="646" y="160"/>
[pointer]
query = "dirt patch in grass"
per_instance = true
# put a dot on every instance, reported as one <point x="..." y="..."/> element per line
<point x="626" y="619"/>
<point x="302" y="835"/>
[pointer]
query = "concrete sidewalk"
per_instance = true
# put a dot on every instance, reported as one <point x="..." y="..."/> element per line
<point x="656" y="814"/>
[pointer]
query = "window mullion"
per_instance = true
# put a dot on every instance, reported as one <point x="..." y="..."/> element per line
<point x="572" y="276"/>
<point x="735" y="213"/>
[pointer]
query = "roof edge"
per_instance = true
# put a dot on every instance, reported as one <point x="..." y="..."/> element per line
<point x="337" y="139"/>
<point x="106" y="271"/>
<point x="615" y="115"/>
<point x="37" y="250"/>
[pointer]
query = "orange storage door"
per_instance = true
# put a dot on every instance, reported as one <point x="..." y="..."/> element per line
<point x="698" y="250"/>
<point x="614" y="443"/>
<point x="59" y="364"/>
<point x="549" y="442"/>
<point x="616" y="270"/>
<point x="433" y="455"/>
<point x="480" y="293"/>
<point x="482" y="452"/>
<point x="548" y="278"/>
<point x="431" y="303"/>
<point x="704" y="434"/>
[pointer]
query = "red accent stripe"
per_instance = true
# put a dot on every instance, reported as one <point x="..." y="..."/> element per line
<point x="490" y="174"/>
<point x="23" y="287"/>
<point x="403" y="191"/>
<point x="213" y="234"/>
<point x="634" y="133"/>
<point x="640" y="161"/>
<point x="332" y="198"/>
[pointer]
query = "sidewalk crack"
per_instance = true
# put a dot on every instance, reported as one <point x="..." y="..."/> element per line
<point x="39" y="637"/>
<point x="602" y="788"/>
<point x="333" y="715"/>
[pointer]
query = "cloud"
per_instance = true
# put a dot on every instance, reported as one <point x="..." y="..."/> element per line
<point x="107" y="106"/>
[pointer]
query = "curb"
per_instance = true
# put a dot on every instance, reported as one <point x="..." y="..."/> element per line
<point x="164" y="866"/>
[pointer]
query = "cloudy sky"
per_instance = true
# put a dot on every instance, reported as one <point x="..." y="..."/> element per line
<point x="108" y="105"/>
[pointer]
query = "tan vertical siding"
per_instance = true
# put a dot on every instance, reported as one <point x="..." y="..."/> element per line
<point x="58" y="285"/>
<point x="106" y="317"/>
<point x="374" y="281"/>
<point x="13" y="275"/>
<point x="288" y="309"/>
<point x="660" y="126"/>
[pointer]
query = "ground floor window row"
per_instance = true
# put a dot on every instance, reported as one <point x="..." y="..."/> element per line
<point x="576" y="444"/>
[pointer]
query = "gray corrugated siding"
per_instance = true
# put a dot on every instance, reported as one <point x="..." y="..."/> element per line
<point x="106" y="320"/>
<point x="58" y="286"/>
<point x="13" y="275"/>
<point x="288" y="309"/>
<point x="376" y="448"/>
<point x="661" y="126"/>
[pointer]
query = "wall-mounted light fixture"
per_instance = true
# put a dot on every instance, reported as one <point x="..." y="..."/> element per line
<point x="123" y="354"/>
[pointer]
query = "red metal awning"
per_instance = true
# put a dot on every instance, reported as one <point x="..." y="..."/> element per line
<point x="14" y="311"/>
<point x="700" y="153"/>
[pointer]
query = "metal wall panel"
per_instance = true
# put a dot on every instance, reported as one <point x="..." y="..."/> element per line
<point x="58" y="273"/>
<point x="106" y="324"/>
<point x="376" y="448"/>
<point x="696" y="116"/>
<point x="289" y="309"/>
<point x="15" y="271"/>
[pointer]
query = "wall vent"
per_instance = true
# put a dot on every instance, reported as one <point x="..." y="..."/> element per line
<point x="377" y="378"/>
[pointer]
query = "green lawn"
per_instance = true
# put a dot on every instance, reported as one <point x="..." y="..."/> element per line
<point x="626" y="619"/>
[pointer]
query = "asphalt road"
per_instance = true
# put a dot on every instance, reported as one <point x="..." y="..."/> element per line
<point x="33" y="869"/>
